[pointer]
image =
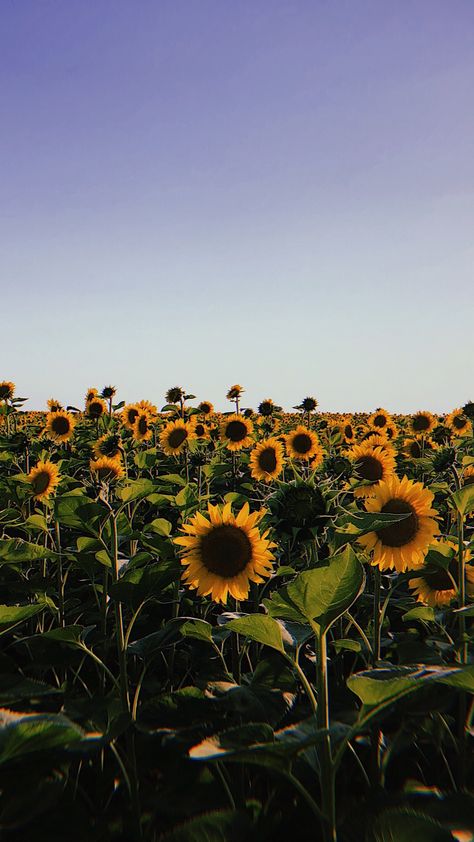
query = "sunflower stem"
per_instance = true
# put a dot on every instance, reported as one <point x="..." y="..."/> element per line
<point x="327" y="769"/>
<point x="377" y="626"/>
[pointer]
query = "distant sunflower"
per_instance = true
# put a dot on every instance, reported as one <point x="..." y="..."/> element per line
<point x="206" y="408"/>
<point x="459" y="423"/>
<point x="347" y="430"/>
<point x="109" y="445"/>
<point x="302" y="443"/>
<point x="129" y="414"/>
<point x="308" y="404"/>
<point x="436" y="585"/>
<point x="146" y="406"/>
<point x="266" y="460"/>
<point x="96" y="408"/>
<point x="108" y="392"/>
<point x="59" y="425"/>
<point x="106" y="469"/>
<point x="234" y="392"/>
<point x="236" y="431"/>
<point x="224" y="552"/>
<point x="266" y="407"/>
<point x="175" y="394"/>
<point x="422" y="423"/>
<point x="403" y="545"/>
<point x="201" y="430"/>
<point x="7" y="390"/>
<point x="43" y="478"/>
<point x="415" y="448"/>
<point x="174" y="437"/>
<point x="371" y="464"/>
<point x="142" y="427"/>
<point x="379" y="419"/>
<point x="391" y="431"/>
<point x="468" y="475"/>
<point x="54" y="405"/>
<point x="91" y="394"/>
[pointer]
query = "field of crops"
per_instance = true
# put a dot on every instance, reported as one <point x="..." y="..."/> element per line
<point x="251" y="625"/>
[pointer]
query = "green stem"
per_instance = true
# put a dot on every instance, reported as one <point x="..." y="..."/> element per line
<point x="327" y="771"/>
<point x="376" y="619"/>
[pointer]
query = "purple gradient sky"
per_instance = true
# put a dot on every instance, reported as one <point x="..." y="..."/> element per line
<point x="270" y="192"/>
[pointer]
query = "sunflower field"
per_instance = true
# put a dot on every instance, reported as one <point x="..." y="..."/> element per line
<point x="243" y="625"/>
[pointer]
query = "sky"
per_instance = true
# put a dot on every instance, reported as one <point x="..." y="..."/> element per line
<point x="278" y="193"/>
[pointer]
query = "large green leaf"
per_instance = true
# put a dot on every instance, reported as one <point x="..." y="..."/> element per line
<point x="136" y="490"/>
<point x="12" y="614"/>
<point x="386" y="685"/>
<point x="23" y="733"/>
<point x="463" y="500"/>
<point x="16" y="551"/>
<point x="322" y="594"/>
<point x="260" y="628"/>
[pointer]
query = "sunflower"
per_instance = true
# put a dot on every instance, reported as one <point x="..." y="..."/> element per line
<point x="142" y="427"/>
<point x="224" y="552"/>
<point x="391" y="431"/>
<point x="372" y="464"/>
<point x="266" y="460"/>
<point x="403" y="545"/>
<point x="175" y="394"/>
<point x="307" y="405"/>
<point x="422" y="423"/>
<point x="106" y="469"/>
<point x="43" y="479"/>
<point x="347" y="430"/>
<point x="54" y="405"/>
<point x="266" y="407"/>
<point x="108" y="392"/>
<point x="236" y="431"/>
<point x="174" y="437"/>
<point x="468" y="476"/>
<point x="206" y="408"/>
<point x="59" y="425"/>
<point x="129" y="414"/>
<point x="234" y="392"/>
<point x="7" y="390"/>
<point x="108" y="445"/>
<point x="302" y="443"/>
<point x="299" y="505"/>
<point x="201" y="430"/>
<point x="91" y="394"/>
<point x="379" y="419"/>
<point x="459" y="423"/>
<point x="96" y="408"/>
<point x="436" y="584"/>
<point x="415" y="449"/>
<point x="146" y="406"/>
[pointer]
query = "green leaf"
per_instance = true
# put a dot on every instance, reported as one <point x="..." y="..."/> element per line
<point x="160" y="526"/>
<point x="136" y="490"/>
<point x="24" y="734"/>
<point x="322" y="594"/>
<point x="17" y="551"/>
<point x="220" y="826"/>
<point x="347" y="644"/>
<point x="354" y="525"/>
<point x="77" y="510"/>
<point x="173" y="479"/>
<point x="406" y="825"/>
<point x="260" y="628"/>
<point x="386" y="685"/>
<point x="463" y="500"/>
<point x="36" y="522"/>
<point x="420" y="612"/>
<point x="198" y="629"/>
<point x="11" y="614"/>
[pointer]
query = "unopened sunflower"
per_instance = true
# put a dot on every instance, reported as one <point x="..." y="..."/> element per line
<point x="402" y="545"/>
<point x="106" y="469"/>
<point x="174" y="437"/>
<point x="43" y="478"/>
<point x="236" y="432"/>
<point x="437" y="585"/>
<point x="302" y="443"/>
<point x="224" y="552"/>
<point x="266" y="460"/>
<point x="371" y="464"/>
<point x="59" y="425"/>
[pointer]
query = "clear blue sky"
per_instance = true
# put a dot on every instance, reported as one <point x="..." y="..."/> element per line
<point x="269" y="192"/>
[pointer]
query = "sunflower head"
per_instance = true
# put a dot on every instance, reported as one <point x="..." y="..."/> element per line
<point x="59" y="425"/>
<point x="300" y="506"/>
<point x="43" y="478"/>
<point x="150" y="408"/>
<point x="372" y="465"/>
<point x="248" y="413"/>
<point x="109" y="392"/>
<point x="223" y="552"/>
<point x="339" y="466"/>
<point x="206" y="408"/>
<point x="108" y="445"/>
<point x="308" y="404"/>
<point x="403" y="544"/>
<point x="441" y="434"/>
<point x="91" y="394"/>
<point x="106" y="469"/>
<point x="142" y="427"/>
<point x="459" y="423"/>
<point x="200" y="429"/>
<point x="234" y="392"/>
<point x="266" y="460"/>
<point x="302" y="444"/>
<point x="96" y="408"/>
<point x="236" y="431"/>
<point x="436" y="584"/>
<point x="7" y="390"/>
<point x="468" y="475"/>
<point x="422" y="423"/>
<point x="175" y="394"/>
<point x="175" y="436"/>
<point x="379" y="419"/>
<point x="129" y="414"/>
<point x="444" y="458"/>
<point x="54" y="405"/>
<point x="266" y="407"/>
<point x="468" y="410"/>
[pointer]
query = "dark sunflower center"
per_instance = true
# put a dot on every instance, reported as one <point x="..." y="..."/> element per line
<point x="142" y="425"/>
<point x="176" y="437"/>
<point x="459" y="422"/>
<point x="41" y="482"/>
<point x="302" y="443"/>
<point x="236" y="431"/>
<point x="267" y="460"/>
<point x="266" y="408"/>
<point x="369" y="468"/>
<point x="348" y="431"/>
<point x="205" y="408"/>
<point x="199" y="429"/>
<point x="132" y="414"/>
<point x="95" y="409"/>
<point x="438" y="579"/>
<point x="60" y="425"/>
<point x="5" y="392"/>
<point x="415" y="450"/>
<point x="421" y="423"/>
<point x="380" y="421"/>
<point x="401" y="533"/>
<point x="226" y="551"/>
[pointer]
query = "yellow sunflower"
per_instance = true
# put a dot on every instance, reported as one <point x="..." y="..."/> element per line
<point x="7" y="390"/>
<point x="43" y="478"/>
<point x="59" y="425"/>
<point x="146" y="406"/>
<point x="266" y="460"/>
<point x="91" y="394"/>
<point x="174" y="437"/>
<point x="206" y="408"/>
<point x="200" y="429"/>
<point x="235" y="392"/>
<point x="422" y="423"/>
<point x="415" y="448"/>
<point x="468" y="475"/>
<point x="459" y="423"/>
<point x="379" y="419"/>
<point x="129" y="414"/>
<point x="96" y="407"/>
<point x="224" y="552"/>
<point x="142" y="427"/>
<point x="236" y="431"/>
<point x="372" y="464"/>
<point x="108" y="445"/>
<point x="347" y="430"/>
<point x="302" y="443"/>
<point x="54" y="405"/>
<point x="106" y="469"/>
<point x="403" y="545"/>
<point x="436" y="586"/>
